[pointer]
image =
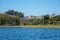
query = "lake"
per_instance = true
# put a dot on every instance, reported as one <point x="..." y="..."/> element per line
<point x="29" y="33"/>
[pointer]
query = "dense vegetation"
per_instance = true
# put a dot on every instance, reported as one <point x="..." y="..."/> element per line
<point x="14" y="18"/>
<point x="14" y="13"/>
<point x="46" y="19"/>
<point x="11" y="18"/>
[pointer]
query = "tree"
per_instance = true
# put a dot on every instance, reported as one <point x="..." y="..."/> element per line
<point x="11" y="20"/>
<point x="15" y="13"/>
<point x="53" y="14"/>
<point x="55" y="19"/>
<point x="45" y="19"/>
<point x="21" y="14"/>
<point x="2" y="19"/>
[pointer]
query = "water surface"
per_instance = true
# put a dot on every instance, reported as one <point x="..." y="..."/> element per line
<point x="29" y="34"/>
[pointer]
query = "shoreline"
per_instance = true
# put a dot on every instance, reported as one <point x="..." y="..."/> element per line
<point x="33" y="26"/>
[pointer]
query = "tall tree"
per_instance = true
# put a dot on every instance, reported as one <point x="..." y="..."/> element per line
<point x="15" y="13"/>
<point x="45" y="19"/>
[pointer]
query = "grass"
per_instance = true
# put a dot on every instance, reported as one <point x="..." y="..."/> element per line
<point x="35" y="26"/>
<point x="42" y="26"/>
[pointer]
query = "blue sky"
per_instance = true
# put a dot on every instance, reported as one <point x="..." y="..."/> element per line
<point x="31" y="7"/>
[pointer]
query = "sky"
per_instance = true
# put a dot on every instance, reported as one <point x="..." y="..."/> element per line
<point x="31" y="7"/>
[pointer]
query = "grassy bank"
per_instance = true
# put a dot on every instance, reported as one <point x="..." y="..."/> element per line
<point x="34" y="26"/>
<point x="42" y="26"/>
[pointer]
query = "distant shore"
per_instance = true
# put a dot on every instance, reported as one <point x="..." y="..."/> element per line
<point x="42" y="26"/>
<point x="33" y="26"/>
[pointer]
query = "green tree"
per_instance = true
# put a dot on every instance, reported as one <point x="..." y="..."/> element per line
<point x="45" y="19"/>
<point x="55" y="19"/>
<point x="11" y="20"/>
<point x="2" y="19"/>
<point x="15" y="13"/>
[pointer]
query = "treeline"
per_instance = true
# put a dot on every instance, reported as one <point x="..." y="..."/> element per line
<point x="46" y="19"/>
<point x="15" y="18"/>
<point x="11" y="18"/>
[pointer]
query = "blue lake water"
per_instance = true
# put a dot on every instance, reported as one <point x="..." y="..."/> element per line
<point x="29" y="34"/>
